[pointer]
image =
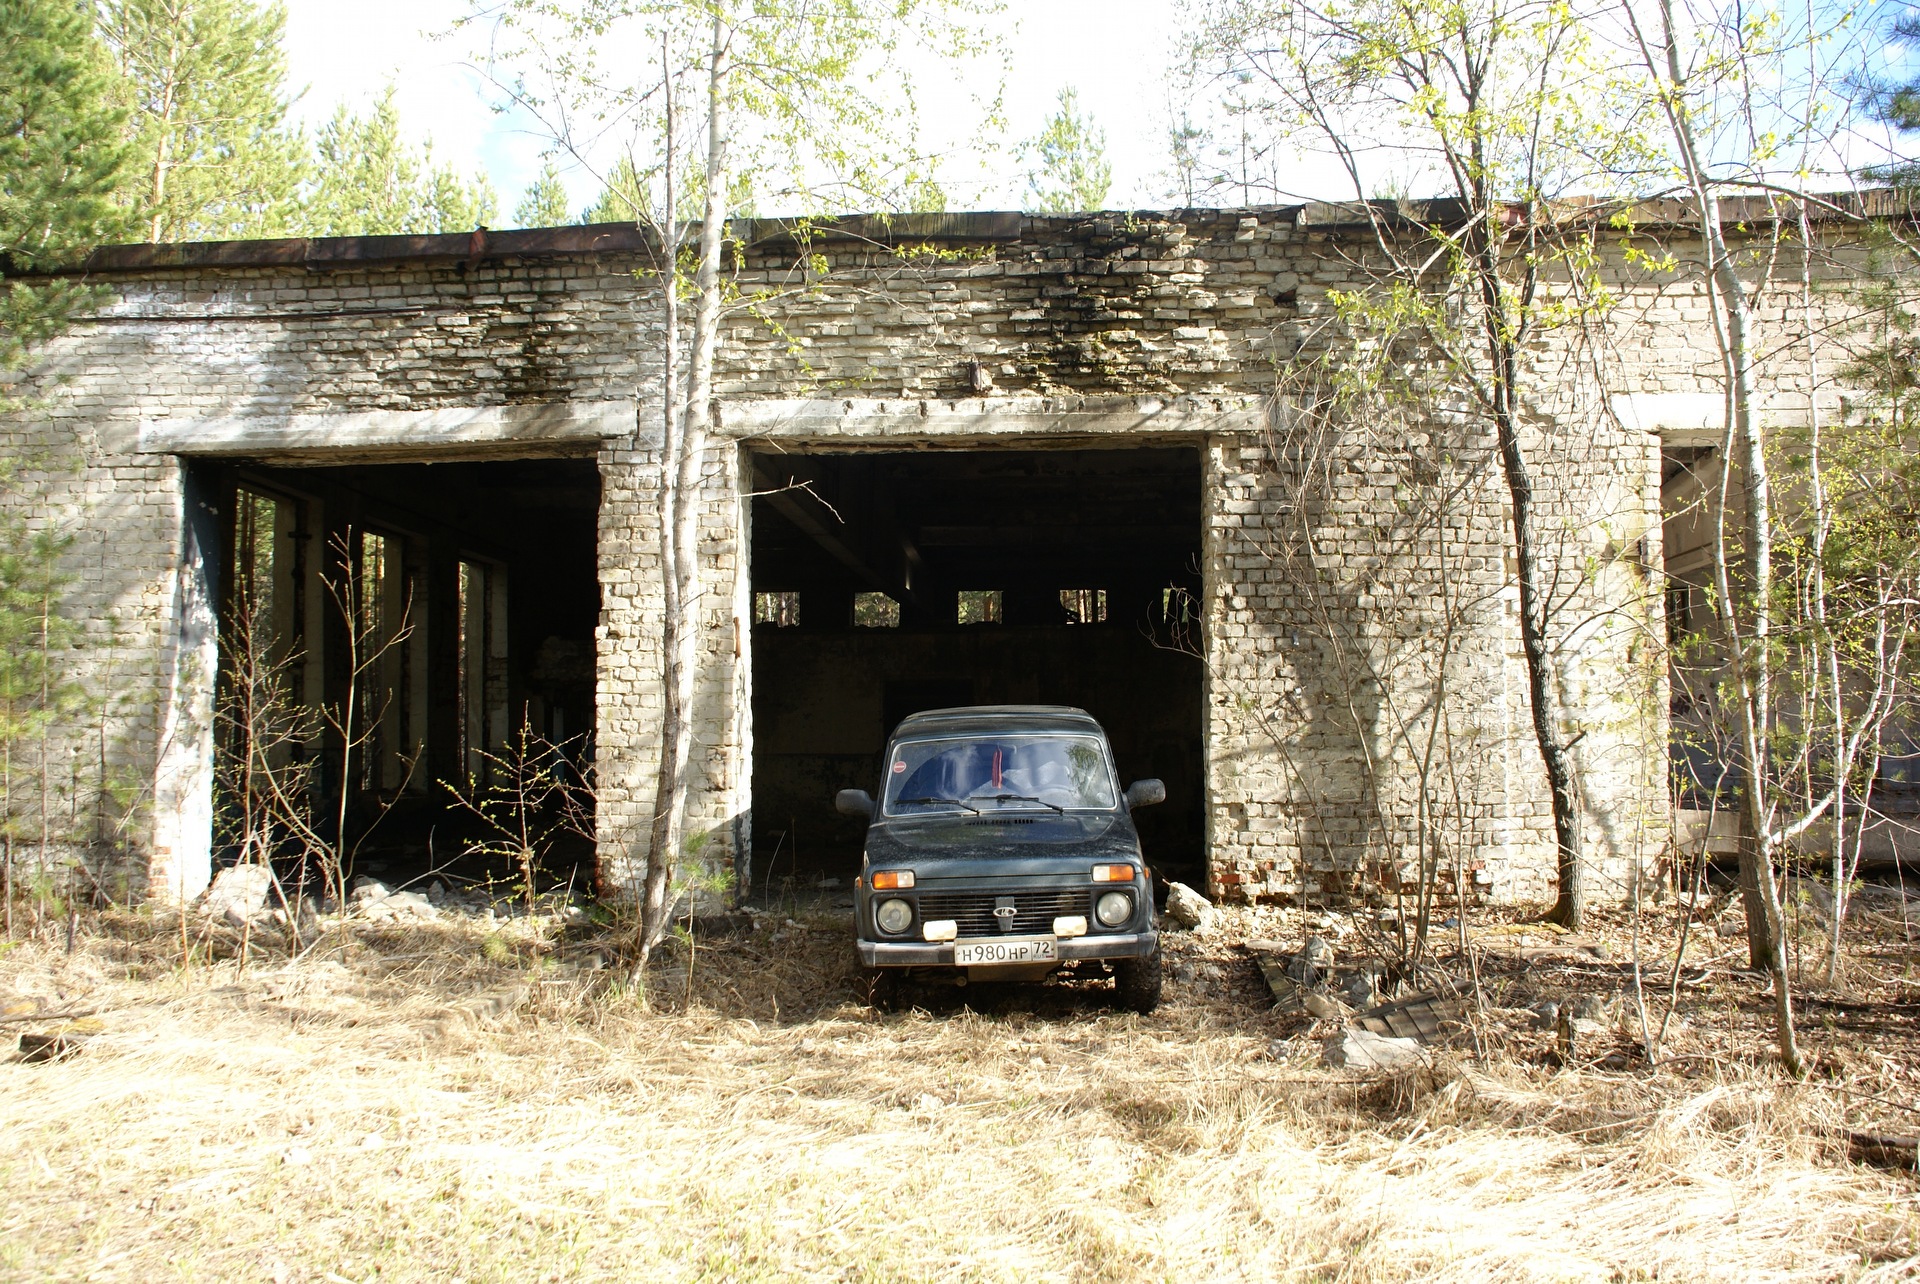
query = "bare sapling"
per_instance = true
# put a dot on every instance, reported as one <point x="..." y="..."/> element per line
<point x="268" y="750"/>
<point x="529" y="799"/>
<point x="354" y="720"/>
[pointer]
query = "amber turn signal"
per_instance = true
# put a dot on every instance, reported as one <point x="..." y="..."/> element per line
<point x="891" y="879"/>
<point x="1113" y="873"/>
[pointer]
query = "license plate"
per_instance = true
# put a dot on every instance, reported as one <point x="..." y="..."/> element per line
<point x="1008" y="949"/>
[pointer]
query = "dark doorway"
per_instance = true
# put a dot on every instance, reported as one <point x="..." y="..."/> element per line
<point x="885" y="584"/>
<point x="449" y="606"/>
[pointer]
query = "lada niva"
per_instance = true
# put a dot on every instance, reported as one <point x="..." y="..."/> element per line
<point x="1000" y="847"/>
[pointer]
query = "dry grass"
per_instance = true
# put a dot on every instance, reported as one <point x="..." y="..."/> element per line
<point x="349" y="1116"/>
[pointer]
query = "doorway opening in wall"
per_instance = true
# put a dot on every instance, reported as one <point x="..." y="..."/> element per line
<point x="889" y="583"/>
<point x="403" y="647"/>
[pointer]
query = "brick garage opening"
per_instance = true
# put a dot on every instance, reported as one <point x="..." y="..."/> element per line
<point x="887" y="583"/>
<point x="475" y="589"/>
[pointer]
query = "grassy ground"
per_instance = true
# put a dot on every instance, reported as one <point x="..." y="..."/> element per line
<point x="467" y="1100"/>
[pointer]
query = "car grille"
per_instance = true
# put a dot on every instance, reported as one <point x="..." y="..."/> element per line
<point x="1036" y="908"/>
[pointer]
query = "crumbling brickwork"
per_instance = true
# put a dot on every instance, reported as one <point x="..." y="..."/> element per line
<point x="992" y="329"/>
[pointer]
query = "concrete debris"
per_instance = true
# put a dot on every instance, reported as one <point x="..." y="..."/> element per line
<point x="1322" y="1005"/>
<point x="400" y="905"/>
<point x="366" y="890"/>
<point x="238" y="893"/>
<point x="1313" y="963"/>
<point x="1359" y="991"/>
<point x="1187" y="907"/>
<point x="1359" y="1049"/>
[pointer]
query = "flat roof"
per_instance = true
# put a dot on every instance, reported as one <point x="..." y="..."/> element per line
<point x="894" y="230"/>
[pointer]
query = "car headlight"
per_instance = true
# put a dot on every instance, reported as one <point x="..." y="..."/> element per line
<point x="895" y="916"/>
<point x="1113" y="909"/>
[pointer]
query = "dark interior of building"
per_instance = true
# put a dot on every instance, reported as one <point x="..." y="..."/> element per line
<point x="885" y="584"/>
<point x="454" y="603"/>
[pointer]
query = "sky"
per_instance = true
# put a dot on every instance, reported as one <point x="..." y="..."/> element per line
<point x="1114" y="52"/>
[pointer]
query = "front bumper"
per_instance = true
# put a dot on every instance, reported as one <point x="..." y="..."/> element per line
<point x="1106" y="945"/>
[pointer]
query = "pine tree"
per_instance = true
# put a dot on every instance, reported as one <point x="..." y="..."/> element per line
<point x="1070" y="173"/>
<point x="61" y="160"/>
<point x="371" y="182"/>
<point x="623" y="199"/>
<point x="545" y="204"/>
<point x="206" y="84"/>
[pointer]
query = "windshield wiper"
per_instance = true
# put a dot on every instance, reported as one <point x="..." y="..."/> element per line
<point x="1001" y="798"/>
<point x="957" y="802"/>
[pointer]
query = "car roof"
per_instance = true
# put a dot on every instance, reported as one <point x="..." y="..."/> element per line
<point x="1001" y="718"/>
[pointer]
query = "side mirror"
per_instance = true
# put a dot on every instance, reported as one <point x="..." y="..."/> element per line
<point x="857" y="802"/>
<point x="1145" y="793"/>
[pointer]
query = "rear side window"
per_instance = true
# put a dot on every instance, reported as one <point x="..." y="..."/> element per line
<point x="999" y="773"/>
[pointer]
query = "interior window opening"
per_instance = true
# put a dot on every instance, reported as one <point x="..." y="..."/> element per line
<point x="980" y="606"/>
<point x="779" y="610"/>
<point x="875" y="611"/>
<point x="481" y="661"/>
<point x="1084" y="606"/>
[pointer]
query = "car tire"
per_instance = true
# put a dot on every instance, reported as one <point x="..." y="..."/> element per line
<point x="1136" y="982"/>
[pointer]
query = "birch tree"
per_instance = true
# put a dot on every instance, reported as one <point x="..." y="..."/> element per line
<point x="1496" y="105"/>
<point x="706" y="108"/>
<point x="1752" y="103"/>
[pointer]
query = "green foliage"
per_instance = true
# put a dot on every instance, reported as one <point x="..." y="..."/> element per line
<point x="525" y="799"/>
<point x="821" y="116"/>
<point x="61" y="161"/>
<point x="1185" y="175"/>
<point x="545" y="204"/>
<point x="924" y="196"/>
<point x="370" y="181"/>
<point x="1070" y="173"/>
<point x="206" y="84"/>
<point x="623" y="199"/>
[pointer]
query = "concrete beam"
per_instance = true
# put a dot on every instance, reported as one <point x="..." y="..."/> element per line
<point x="1684" y="419"/>
<point x="967" y="424"/>
<point x="555" y="428"/>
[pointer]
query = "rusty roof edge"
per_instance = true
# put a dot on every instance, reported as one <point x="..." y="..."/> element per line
<point x="892" y="230"/>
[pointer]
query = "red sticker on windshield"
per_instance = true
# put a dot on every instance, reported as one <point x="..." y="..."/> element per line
<point x="899" y="767"/>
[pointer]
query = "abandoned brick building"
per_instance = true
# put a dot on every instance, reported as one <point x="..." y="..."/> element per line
<point x="981" y="458"/>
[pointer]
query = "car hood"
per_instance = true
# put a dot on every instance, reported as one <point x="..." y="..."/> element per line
<point x="1074" y="837"/>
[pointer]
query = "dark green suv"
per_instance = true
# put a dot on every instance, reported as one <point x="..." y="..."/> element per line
<point x="1002" y="848"/>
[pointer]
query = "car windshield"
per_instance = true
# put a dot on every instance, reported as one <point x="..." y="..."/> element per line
<point x="998" y="773"/>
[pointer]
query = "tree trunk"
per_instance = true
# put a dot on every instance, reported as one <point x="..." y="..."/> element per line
<point x="1747" y="658"/>
<point x="682" y="463"/>
<point x="1570" y="902"/>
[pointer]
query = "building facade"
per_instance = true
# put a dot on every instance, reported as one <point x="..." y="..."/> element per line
<point x="959" y="459"/>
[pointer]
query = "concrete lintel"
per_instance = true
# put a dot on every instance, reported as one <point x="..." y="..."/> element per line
<point x="1699" y="418"/>
<point x="988" y="418"/>
<point x="553" y="427"/>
